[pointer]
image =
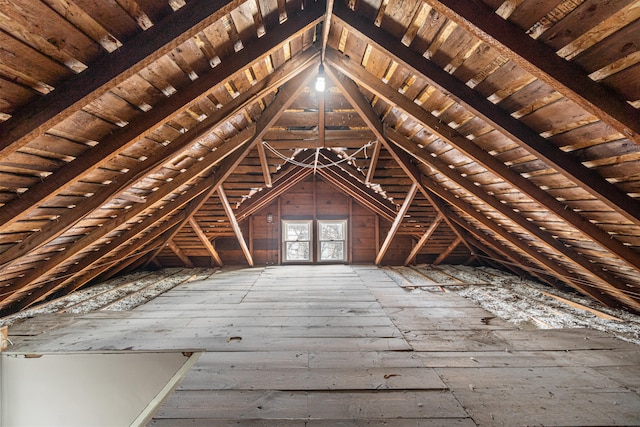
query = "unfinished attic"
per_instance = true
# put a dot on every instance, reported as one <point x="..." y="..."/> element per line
<point x="307" y="143"/>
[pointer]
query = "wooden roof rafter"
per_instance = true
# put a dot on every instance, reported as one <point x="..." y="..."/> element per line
<point x="89" y="239"/>
<point x="362" y="106"/>
<point x="363" y="194"/>
<point x="395" y="225"/>
<point x="235" y="226"/>
<point x="120" y="140"/>
<point x="532" y="230"/>
<point x="109" y="70"/>
<point x="501" y="121"/>
<point x="601" y="291"/>
<point x="542" y="62"/>
<point x="156" y="159"/>
<point x="205" y="241"/>
<point x="476" y="153"/>
<point x="424" y="239"/>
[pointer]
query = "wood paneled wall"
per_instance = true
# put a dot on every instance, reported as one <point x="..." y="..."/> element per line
<point x="314" y="199"/>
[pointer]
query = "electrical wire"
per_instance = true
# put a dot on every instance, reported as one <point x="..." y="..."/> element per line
<point x="321" y="166"/>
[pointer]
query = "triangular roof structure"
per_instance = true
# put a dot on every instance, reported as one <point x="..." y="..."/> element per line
<point x="509" y="130"/>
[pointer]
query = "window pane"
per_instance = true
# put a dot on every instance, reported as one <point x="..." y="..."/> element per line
<point x="331" y="251"/>
<point x="332" y="231"/>
<point x="297" y="251"/>
<point x="297" y="231"/>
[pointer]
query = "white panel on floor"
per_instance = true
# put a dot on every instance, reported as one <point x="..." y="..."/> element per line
<point x="109" y="389"/>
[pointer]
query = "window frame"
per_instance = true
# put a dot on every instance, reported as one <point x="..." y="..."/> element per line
<point x="309" y="223"/>
<point x="345" y="240"/>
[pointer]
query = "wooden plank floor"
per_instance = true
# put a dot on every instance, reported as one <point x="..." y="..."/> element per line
<point x="346" y="346"/>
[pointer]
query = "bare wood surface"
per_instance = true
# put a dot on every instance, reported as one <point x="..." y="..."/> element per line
<point x="274" y="356"/>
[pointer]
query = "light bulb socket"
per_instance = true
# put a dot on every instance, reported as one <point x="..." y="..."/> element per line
<point x="320" y="82"/>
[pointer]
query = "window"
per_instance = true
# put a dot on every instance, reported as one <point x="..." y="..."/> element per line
<point x="296" y="236"/>
<point x="332" y="239"/>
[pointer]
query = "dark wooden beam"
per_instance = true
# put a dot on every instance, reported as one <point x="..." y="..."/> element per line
<point x="373" y="163"/>
<point x="460" y="142"/>
<point x="194" y="205"/>
<point x="424" y="239"/>
<point x="123" y="138"/>
<point x="264" y="164"/>
<point x="345" y="182"/>
<point x="205" y="241"/>
<point x="89" y="239"/>
<point x="448" y="251"/>
<point x="235" y="226"/>
<point x="160" y="155"/>
<point x="112" y="69"/>
<point x="503" y="122"/>
<point x="363" y="107"/>
<point x="396" y="222"/>
<point x="312" y="143"/>
<point x="282" y="184"/>
<point x="606" y="279"/>
<point x="326" y="26"/>
<point x="543" y="63"/>
<point x="180" y="254"/>
<point x="595" y="290"/>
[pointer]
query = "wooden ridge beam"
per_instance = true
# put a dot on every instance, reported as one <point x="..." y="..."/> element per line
<point x="572" y="169"/>
<point x="315" y="142"/>
<point x="548" y="241"/>
<point x="423" y="239"/>
<point x="396" y="222"/>
<point x="121" y="139"/>
<point x="326" y="25"/>
<point x="467" y="147"/>
<point x="543" y="63"/>
<point x="114" y="68"/>
<point x="205" y="241"/>
<point x="235" y="226"/>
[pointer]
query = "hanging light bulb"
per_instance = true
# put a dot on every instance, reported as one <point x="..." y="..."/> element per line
<point x="320" y="79"/>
